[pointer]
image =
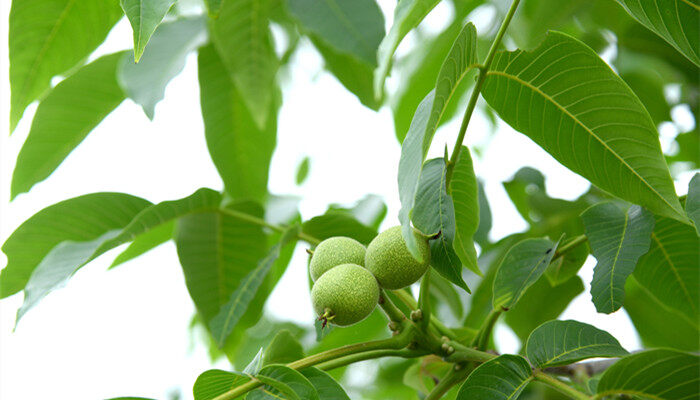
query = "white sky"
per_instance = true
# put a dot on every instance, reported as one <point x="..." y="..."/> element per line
<point x="124" y="332"/>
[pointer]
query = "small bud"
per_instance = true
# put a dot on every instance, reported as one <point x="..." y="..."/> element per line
<point x="393" y="326"/>
<point x="416" y="315"/>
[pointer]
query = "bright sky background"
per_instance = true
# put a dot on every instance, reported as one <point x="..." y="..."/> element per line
<point x="125" y="332"/>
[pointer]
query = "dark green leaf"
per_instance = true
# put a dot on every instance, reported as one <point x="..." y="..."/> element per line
<point x="242" y="36"/>
<point x="504" y="378"/>
<point x="481" y="235"/>
<point x="48" y="38"/>
<point x="541" y="302"/>
<point x="302" y="171"/>
<point x="674" y="20"/>
<point x="669" y="271"/>
<point x="235" y="142"/>
<point x="520" y="268"/>
<point x="434" y="213"/>
<point x="465" y="194"/>
<point x="350" y="27"/>
<point x="325" y="385"/>
<point x="144" y="16"/>
<point x="565" y="342"/>
<point x="407" y="15"/>
<point x="145" y="82"/>
<point x="654" y="374"/>
<point x="283" y="349"/>
<point x="224" y="322"/>
<point x="617" y="239"/>
<point x="460" y="60"/>
<point x="567" y="265"/>
<point x="649" y="87"/>
<point x="216" y="382"/>
<point x="446" y="294"/>
<point x="64" y="118"/>
<point x="282" y="380"/>
<point x="524" y="183"/>
<point x="80" y="219"/>
<point x="337" y="224"/>
<point x="692" y="202"/>
<point x="558" y="112"/>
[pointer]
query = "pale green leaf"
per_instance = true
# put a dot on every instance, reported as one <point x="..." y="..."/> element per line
<point x="334" y="223"/>
<point x="282" y="380"/>
<point x="370" y="210"/>
<point x="670" y="271"/>
<point x="216" y="382"/>
<point x="351" y="27"/>
<point x="255" y="365"/>
<point x="284" y="348"/>
<point x="433" y="214"/>
<point x="80" y="219"/>
<point x="522" y="266"/>
<point x="213" y="7"/>
<point x="502" y="378"/>
<point x="464" y="190"/>
<point x="676" y="21"/>
<point x="225" y="321"/>
<point x="565" y="342"/>
<point x="692" y="202"/>
<point x="242" y="36"/>
<point x="144" y="16"/>
<point x="145" y="82"/>
<point x="303" y="170"/>
<point x="325" y="385"/>
<point x="569" y="101"/>
<point x="234" y="140"/>
<point x="145" y="242"/>
<point x="460" y="60"/>
<point x="617" y="239"/>
<point x="654" y="374"/>
<point x="64" y="118"/>
<point x="48" y="38"/>
<point x="407" y="15"/>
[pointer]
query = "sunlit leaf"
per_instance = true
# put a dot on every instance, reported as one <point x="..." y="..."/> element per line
<point x="48" y="38"/>
<point x="562" y="95"/>
<point x="216" y="382"/>
<point x="282" y="380"/>
<point x="338" y="224"/>
<point x="144" y="16"/>
<point x="692" y="202"/>
<point x="502" y="378"/>
<point x="325" y="385"/>
<point x="565" y="342"/>
<point x="302" y="171"/>
<point x="64" y="118"/>
<point x="617" y="239"/>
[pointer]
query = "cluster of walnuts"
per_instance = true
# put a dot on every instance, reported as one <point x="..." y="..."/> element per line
<point x="347" y="277"/>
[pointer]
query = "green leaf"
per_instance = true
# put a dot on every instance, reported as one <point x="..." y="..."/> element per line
<point x="144" y="16"/>
<point x="282" y="380"/>
<point x="504" y="377"/>
<point x="302" y="171"/>
<point x="370" y="210"/>
<point x="445" y="293"/>
<point x="242" y="36"/>
<point x="567" y="265"/>
<point x="434" y="213"/>
<point x="80" y="219"/>
<point x="337" y="224"/>
<point x="692" y="202"/>
<point x="655" y="374"/>
<point x="656" y="324"/>
<point x="676" y="21"/>
<point x="213" y="7"/>
<point x="565" y="342"/>
<point x="407" y="15"/>
<point x="216" y="382"/>
<point x="481" y="235"/>
<point x="540" y="303"/>
<point x="520" y="268"/>
<point x="145" y="242"/>
<point x="146" y="81"/>
<point x="64" y="118"/>
<point x="225" y="321"/>
<point x="255" y="365"/>
<point x="234" y="140"/>
<point x="617" y="239"/>
<point x="559" y="112"/>
<point x="351" y="27"/>
<point x="48" y="38"/>
<point x="520" y="188"/>
<point x="465" y="194"/>
<point x="669" y="271"/>
<point x="283" y="349"/>
<point x="325" y="385"/>
<point x="460" y="60"/>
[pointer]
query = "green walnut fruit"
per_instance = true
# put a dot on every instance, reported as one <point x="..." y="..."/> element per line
<point x="335" y="251"/>
<point x="344" y="295"/>
<point x="390" y="261"/>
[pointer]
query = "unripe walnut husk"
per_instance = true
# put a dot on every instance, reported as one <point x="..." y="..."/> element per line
<point x="345" y="295"/>
<point x="390" y="261"/>
<point x="333" y="252"/>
